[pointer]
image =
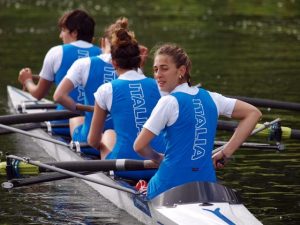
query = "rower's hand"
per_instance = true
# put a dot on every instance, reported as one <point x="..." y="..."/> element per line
<point x="24" y="75"/>
<point x="219" y="160"/>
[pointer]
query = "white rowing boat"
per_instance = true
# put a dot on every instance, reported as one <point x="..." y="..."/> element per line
<point x="193" y="203"/>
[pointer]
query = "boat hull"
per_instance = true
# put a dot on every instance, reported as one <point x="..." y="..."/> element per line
<point x="148" y="212"/>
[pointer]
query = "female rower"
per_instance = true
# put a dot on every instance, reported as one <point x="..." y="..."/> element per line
<point x="129" y="99"/>
<point x="189" y="118"/>
<point x="90" y="73"/>
<point x="77" y="32"/>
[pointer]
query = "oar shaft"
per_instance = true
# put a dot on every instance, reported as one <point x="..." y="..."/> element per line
<point x="264" y="126"/>
<point x="37" y="117"/>
<point x="23" y="168"/>
<point x="287" y="132"/>
<point x="73" y="174"/>
<point x="32" y="126"/>
<point x="24" y="107"/>
<point x="254" y="145"/>
<point x="105" y="165"/>
<point x="73" y="145"/>
<point x="268" y="103"/>
<point x="33" y="135"/>
<point x="295" y="134"/>
<point x="54" y="176"/>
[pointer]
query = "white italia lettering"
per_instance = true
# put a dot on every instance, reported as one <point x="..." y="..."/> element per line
<point x="139" y="109"/>
<point x="109" y="74"/>
<point x="82" y="53"/>
<point x="199" y="141"/>
<point x="81" y="93"/>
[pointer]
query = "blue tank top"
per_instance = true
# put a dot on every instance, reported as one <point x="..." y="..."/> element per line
<point x="70" y="54"/>
<point x="100" y="73"/>
<point x="132" y="104"/>
<point x="190" y="141"/>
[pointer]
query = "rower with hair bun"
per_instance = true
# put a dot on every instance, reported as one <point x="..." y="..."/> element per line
<point x="129" y="100"/>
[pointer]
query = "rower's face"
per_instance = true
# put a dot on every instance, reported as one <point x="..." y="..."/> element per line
<point x="66" y="36"/>
<point x="166" y="73"/>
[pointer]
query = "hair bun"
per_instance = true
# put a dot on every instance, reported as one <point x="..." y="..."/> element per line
<point x="122" y="38"/>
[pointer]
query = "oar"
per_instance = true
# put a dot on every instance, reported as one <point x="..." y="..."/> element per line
<point x="260" y="128"/>
<point x="267" y="103"/>
<point x="70" y="173"/>
<point x="52" y="140"/>
<point x="31" y="126"/>
<point x="286" y="132"/>
<point x="37" y="117"/>
<point x="72" y="145"/>
<point x="24" y="107"/>
<point x="54" y="176"/>
<point x="18" y="168"/>
<point x="14" y="169"/>
<point x="279" y="147"/>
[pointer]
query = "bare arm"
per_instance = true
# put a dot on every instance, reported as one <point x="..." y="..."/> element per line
<point x="61" y="94"/>
<point x="38" y="90"/>
<point x="248" y="116"/>
<point x="97" y="125"/>
<point x="142" y="147"/>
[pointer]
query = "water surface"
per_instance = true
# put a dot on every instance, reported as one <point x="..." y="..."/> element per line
<point x="245" y="48"/>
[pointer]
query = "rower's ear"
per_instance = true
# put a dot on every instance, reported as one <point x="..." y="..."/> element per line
<point x="115" y="64"/>
<point x="74" y="35"/>
<point x="182" y="69"/>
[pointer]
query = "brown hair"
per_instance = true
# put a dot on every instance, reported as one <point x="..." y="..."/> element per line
<point x="121" y="23"/>
<point x="78" y="20"/>
<point x="179" y="56"/>
<point x="125" y="49"/>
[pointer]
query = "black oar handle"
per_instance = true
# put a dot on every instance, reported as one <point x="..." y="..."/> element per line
<point x="22" y="107"/>
<point x="268" y="103"/>
<point x="103" y="165"/>
<point x="295" y="134"/>
<point x="37" y="117"/>
<point x="74" y="174"/>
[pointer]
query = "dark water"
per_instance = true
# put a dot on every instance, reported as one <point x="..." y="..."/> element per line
<point x="61" y="202"/>
<point x="246" y="48"/>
